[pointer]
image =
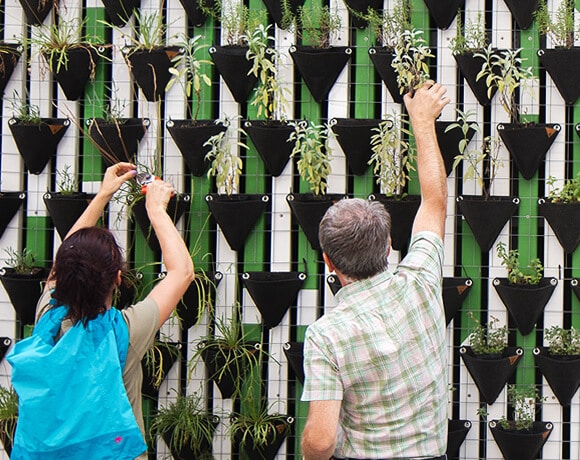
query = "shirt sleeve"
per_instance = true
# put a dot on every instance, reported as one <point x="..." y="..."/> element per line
<point x="322" y="379"/>
<point x="425" y="257"/>
<point x="142" y="320"/>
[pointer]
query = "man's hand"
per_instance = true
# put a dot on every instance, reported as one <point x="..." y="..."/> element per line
<point x="426" y="103"/>
<point x="115" y="176"/>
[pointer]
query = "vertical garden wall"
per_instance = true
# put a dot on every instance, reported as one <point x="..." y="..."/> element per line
<point x="274" y="248"/>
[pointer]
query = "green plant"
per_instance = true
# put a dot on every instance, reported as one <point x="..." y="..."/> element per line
<point x="317" y="25"/>
<point x="388" y="26"/>
<point x="269" y="95"/>
<point x="490" y="339"/>
<point x="561" y="26"/>
<point x="147" y="33"/>
<point x="310" y="144"/>
<point x="570" y="192"/>
<point x="226" y="163"/>
<point x="8" y="413"/>
<point x="469" y="37"/>
<point x="393" y="154"/>
<point x="154" y="358"/>
<point x="532" y="274"/>
<point x="188" y="70"/>
<point x="503" y="71"/>
<point x="564" y="342"/>
<point x="24" y="111"/>
<point x="66" y="182"/>
<point x="22" y="262"/>
<point x="523" y="400"/>
<point x="238" y="21"/>
<point x="483" y="163"/>
<point x="54" y="42"/>
<point x="187" y="424"/>
<point x="410" y="61"/>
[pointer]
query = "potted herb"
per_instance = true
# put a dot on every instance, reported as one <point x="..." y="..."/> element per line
<point x="314" y="154"/>
<point x="527" y="142"/>
<point x="411" y="61"/>
<point x="8" y="417"/>
<point x="236" y="213"/>
<point x="36" y="137"/>
<point x="258" y="432"/>
<point x="561" y="208"/>
<point x="318" y="62"/>
<point x="230" y="59"/>
<point x="71" y="55"/>
<point x="560" y="60"/>
<point x="283" y="11"/>
<point x="521" y="438"/>
<point x="191" y="134"/>
<point x="525" y="292"/>
<point x="67" y="204"/>
<point x="186" y="427"/>
<point x="198" y="299"/>
<point x="488" y="358"/>
<point x="228" y="354"/>
<point x="147" y="56"/>
<point x="453" y="136"/>
<point x="392" y="162"/>
<point x="486" y="214"/>
<point x="156" y="364"/>
<point x="270" y="134"/>
<point x="559" y="362"/>
<point x="359" y="9"/>
<point x="23" y="280"/>
<point x="388" y="27"/>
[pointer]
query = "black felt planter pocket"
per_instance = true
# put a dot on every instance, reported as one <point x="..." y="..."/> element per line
<point x="520" y="444"/>
<point x="294" y="352"/>
<point x="65" y="210"/>
<point x="117" y="141"/>
<point x="561" y="372"/>
<point x="564" y="218"/>
<point x="402" y="211"/>
<point x="233" y="66"/>
<point x="271" y="141"/>
<point x="454" y="293"/>
<point x="354" y="136"/>
<point x="24" y="291"/>
<point x="10" y="203"/>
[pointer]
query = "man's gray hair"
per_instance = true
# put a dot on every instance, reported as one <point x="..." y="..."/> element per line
<point x="354" y="233"/>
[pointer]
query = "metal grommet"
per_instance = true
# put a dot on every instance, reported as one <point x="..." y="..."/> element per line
<point x="245" y="276"/>
<point x="66" y="122"/>
<point x="459" y="198"/>
<point x="372" y="50"/>
<point x="265" y="198"/>
<point x="146" y="122"/>
<point x="467" y="424"/>
<point x="468" y="282"/>
<point x="574" y="282"/>
<point x="257" y="346"/>
<point x="557" y="127"/>
<point x="496" y="282"/>
<point x="125" y="49"/>
<point x="89" y="121"/>
<point x="7" y="342"/>
<point x="290" y="420"/>
<point x="577" y="126"/>
<point x="161" y="275"/>
<point x="541" y="201"/>
<point x="218" y="276"/>
<point x="302" y="276"/>
<point x="292" y="49"/>
<point x="536" y="351"/>
<point x="549" y="425"/>
<point x="332" y="122"/>
<point x="47" y="196"/>
<point x="519" y="351"/>
<point x="540" y="53"/>
<point x="247" y="123"/>
<point x="348" y="50"/>
<point x="287" y="346"/>
<point x="553" y="281"/>
<point x="372" y="197"/>
<point x="212" y="50"/>
<point x="303" y="124"/>
<point x="463" y="350"/>
<point x="492" y="424"/>
<point x="331" y="279"/>
<point x="186" y="197"/>
<point x="500" y="127"/>
<point x="516" y="200"/>
<point x="2" y="271"/>
<point x="139" y="275"/>
<point x="12" y="121"/>
<point x="290" y="197"/>
<point x="208" y="198"/>
<point x="22" y="195"/>
<point x="170" y="123"/>
<point x="101" y="49"/>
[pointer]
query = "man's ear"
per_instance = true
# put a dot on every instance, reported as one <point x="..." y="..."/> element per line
<point x="328" y="262"/>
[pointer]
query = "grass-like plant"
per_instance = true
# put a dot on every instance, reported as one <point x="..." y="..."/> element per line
<point x="22" y="262"/>
<point x="154" y="360"/>
<point x="23" y="110"/>
<point x="532" y="274"/>
<point x="316" y="25"/>
<point x="561" y="26"/>
<point x="469" y="37"/>
<point x="66" y="182"/>
<point x="8" y="413"/>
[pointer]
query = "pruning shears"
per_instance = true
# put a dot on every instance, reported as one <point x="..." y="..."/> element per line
<point x="143" y="179"/>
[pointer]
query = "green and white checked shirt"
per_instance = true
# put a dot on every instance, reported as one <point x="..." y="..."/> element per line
<point x="381" y="351"/>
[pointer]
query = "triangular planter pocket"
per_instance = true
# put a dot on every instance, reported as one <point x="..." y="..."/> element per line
<point x="224" y="369"/>
<point x="178" y="204"/>
<point x="274" y="438"/>
<point x="199" y="297"/>
<point x="36" y="11"/>
<point x="564" y="218"/>
<point x="275" y="9"/>
<point x="10" y="203"/>
<point x="162" y="356"/>
<point x="271" y="141"/>
<point x="273" y="293"/>
<point x="523" y="11"/>
<point x="120" y="11"/>
<point x="236" y="215"/>
<point x="456" y="433"/>
<point x="117" y="141"/>
<point x="196" y="446"/>
<point x="5" y="343"/>
<point x="528" y="144"/>
<point x="233" y="66"/>
<point x="491" y="374"/>
<point x="190" y="137"/>
<point x="73" y="77"/>
<point x="382" y="58"/>
<point x="361" y="8"/>
<point x="449" y="142"/>
<point x="294" y="352"/>
<point x="354" y="136"/>
<point x="486" y="218"/>
<point x="150" y="68"/>
<point x="37" y="143"/>
<point x="470" y="65"/>
<point x="23" y="291"/>
<point x="561" y="372"/>
<point x="333" y="283"/>
<point x="454" y="293"/>
<point x="320" y="67"/>
<point x="563" y="65"/>
<point x="308" y="210"/>
<point x="8" y="60"/>
<point x="194" y="13"/>
<point x="521" y="444"/>
<point x="526" y="302"/>
<point x="402" y="211"/>
<point x="65" y="210"/>
<point x="443" y="11"/>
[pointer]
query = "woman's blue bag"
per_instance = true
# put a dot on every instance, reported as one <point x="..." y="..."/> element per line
<point x="72" y="400"/>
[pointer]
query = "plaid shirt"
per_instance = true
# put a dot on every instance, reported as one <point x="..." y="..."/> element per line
<point x="381" y="351"/>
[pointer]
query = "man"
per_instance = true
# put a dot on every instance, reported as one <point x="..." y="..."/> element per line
<point x="375" y="364"/>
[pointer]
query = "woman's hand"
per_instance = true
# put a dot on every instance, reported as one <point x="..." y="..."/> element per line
<point x="158" y="195"/>
<point x="115" y="176"/>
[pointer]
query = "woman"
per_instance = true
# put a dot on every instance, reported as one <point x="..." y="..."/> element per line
<point x="79" y="376"/>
